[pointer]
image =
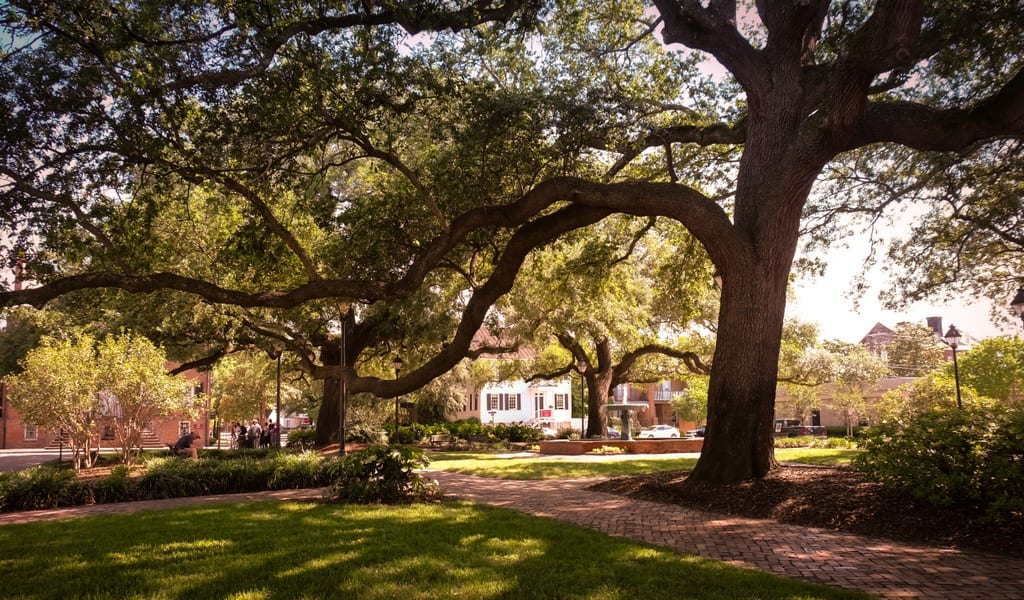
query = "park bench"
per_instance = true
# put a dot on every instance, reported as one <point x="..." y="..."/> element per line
<point x="443" y="440"/>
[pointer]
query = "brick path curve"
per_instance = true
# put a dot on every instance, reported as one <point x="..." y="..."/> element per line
<point x="876" y="566"/>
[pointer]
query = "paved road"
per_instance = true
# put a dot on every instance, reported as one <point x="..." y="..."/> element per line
<point x="14" y="460"/>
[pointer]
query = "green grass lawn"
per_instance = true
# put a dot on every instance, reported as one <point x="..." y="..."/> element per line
<point x="569" y="467"/>
<point x="267" y="550"/>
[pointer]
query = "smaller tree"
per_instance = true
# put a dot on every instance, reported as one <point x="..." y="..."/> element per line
<point x="995" y="368"/>
<point x="136" y="389"/>
<point x="57" y="390"/>
<point x="244" y="384"/>
<point x="935" y="391"/>
<point x="692" y="403"/>
<point x="914" y="350"/>
<point x="854" y="371"/>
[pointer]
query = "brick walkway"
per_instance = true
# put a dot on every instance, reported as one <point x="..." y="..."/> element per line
<point x="879" y="567"/>
<point x="876" y="566"/>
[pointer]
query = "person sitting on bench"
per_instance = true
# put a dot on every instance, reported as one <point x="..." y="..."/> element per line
<point x="185" y="443"/>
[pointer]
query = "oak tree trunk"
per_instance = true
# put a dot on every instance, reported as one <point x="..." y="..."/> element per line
<point x="329" y="415"/>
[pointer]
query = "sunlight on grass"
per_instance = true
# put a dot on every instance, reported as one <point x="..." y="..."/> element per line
<point x="817" y="456"/>
<point x="329" y="551"/>
<point x="556" y="467"/>
<point x="577" y="467"/>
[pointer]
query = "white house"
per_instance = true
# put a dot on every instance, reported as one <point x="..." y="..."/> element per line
<point x="541" y="403"/>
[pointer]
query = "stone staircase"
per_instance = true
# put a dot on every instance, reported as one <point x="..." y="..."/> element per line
<point x="150" y="441"/>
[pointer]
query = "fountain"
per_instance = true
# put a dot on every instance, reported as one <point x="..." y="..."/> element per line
<point x="625" y="408"/>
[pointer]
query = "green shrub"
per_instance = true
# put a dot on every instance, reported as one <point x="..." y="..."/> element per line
<point x="116" y="487"/>
<point x="294" y="471"/>
<point x="171" y="478"/>
<point x="515" y="433"/>
<point x="380" y="474"/>
<point x="41" y="487"/>
<point x="226" y="471"/>
<point x="362" y="434"/>
<point x="410" y="434"/>
<point x="303" y="439"/>
<point x="946" y="456"/>
<point x="469" y="430"/>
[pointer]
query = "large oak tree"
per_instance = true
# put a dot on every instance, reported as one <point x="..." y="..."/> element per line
<point x="458" y="155"/>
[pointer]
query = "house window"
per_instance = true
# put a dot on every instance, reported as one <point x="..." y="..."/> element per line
<point x="561" y="401"/>
<point x="31" y="433"/>
<point x="538" y="401"/>
<point x="503" y="402"/>
<point x="184" y="427"/>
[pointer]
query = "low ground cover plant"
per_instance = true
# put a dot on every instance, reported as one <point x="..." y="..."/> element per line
<point x="381" y="474"/>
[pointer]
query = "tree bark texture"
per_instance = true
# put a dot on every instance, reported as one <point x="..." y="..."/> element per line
<point x="330" y="407"/>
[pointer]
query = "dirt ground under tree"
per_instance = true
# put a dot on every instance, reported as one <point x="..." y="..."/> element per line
<point x="837" y="498"/>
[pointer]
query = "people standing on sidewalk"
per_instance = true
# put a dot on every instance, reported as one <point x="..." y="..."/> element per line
<point x="253" y="433"/>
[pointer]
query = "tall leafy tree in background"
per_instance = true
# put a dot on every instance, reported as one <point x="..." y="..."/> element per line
<point x="295" y="120"/>
<point x="244" y="387"/>
<point x="625" y="301"/>
<point x="914" y="350"/>
<point x="135" y="389"/>
<point x="855" y="370"/>
<point x="995" y="369"/>
<point x="57" y="389"/>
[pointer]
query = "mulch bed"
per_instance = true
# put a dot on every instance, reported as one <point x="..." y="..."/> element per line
<point x="832" y="498"/>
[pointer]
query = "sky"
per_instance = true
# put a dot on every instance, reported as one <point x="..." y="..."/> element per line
<point x="828" y="301"/>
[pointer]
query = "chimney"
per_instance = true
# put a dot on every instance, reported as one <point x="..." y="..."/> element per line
<point x="19" y="269"/>
<point x="935" y="323"/>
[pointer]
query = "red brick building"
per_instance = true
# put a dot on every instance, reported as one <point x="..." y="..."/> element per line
<point x="15" y="433"/>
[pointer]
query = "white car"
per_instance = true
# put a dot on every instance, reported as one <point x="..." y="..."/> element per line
<point x="658" y="431"/>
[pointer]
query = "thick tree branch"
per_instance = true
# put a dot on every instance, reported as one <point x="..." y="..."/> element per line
<point x="706" y="220"/>
<point x="709" y="135"/>
<point x="925" y="128"/>
<point x="712" y="30"/>
<point x="532" y="235"/>
<point x="411" y="19"/>
<point x="690" y="359"/>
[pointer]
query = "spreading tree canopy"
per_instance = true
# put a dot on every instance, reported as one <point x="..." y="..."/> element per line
<point x="382" y="170"/>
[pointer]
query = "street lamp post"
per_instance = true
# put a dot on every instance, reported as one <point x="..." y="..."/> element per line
<point x="277" y="405"/>
<point x="1017" y="305"/>
<point x="275" y="353"/>
<point x="397" y="363"/>
<point x="953" y="340"/>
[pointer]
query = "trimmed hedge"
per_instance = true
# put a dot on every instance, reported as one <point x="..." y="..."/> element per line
<point x="164" y="477"/>
<point x="382" y="474"/>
